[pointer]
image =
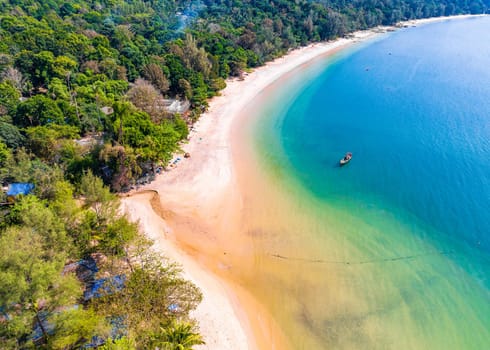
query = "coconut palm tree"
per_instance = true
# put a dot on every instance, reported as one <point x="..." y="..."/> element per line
<point x="177" y="336"/>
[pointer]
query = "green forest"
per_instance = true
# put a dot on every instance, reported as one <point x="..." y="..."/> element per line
<point x="95" y="98"/>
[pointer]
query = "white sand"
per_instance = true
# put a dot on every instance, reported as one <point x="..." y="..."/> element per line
<point x="199" y="185"/>
<point x="218" y="323"/>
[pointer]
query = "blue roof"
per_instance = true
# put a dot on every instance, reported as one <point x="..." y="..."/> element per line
<point x="4" y="314"/>
<point x="104" y="286"/>
<point x="37" y="332"/>
<point x="20" y="188"/>
<point x="118" y="330"/>
<point x="84" y="269"/>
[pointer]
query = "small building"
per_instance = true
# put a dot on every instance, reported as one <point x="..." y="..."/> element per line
<point x="19" y="188"/>
<point x="174" y="106"/>
<point x="84" y="269"/>
<point x="104" y="286"/>
<point x="107" y="110"/>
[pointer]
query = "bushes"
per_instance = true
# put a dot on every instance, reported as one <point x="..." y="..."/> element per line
<point x="39" y="237"/>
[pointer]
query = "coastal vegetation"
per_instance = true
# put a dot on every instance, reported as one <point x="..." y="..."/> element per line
<point x="90" y="84"/>
<point x="76" y="273"/>
<point x="95" y="96"/>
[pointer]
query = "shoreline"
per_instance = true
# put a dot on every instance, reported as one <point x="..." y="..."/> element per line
<point x="200" y="198"/>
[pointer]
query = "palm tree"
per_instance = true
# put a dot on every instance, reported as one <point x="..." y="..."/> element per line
<point x="177" y="336"/>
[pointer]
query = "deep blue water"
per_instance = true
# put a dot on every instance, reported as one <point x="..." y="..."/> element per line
<point x="414" y="109"/>
<point x="407" y="222"/>
<point x="396" y="244"/>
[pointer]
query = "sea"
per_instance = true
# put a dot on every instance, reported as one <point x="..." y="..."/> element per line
<point x="392" y="250"/>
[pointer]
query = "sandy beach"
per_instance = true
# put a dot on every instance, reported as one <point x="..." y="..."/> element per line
<point x="193" y="210"/>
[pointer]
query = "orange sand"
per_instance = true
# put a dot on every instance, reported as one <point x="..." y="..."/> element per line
<point x="194" y="211"/>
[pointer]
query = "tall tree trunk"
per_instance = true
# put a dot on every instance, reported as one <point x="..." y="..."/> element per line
<point x="45" y="333"/>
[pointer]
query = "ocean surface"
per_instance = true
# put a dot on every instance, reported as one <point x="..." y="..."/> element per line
<point x="391" y="251"/>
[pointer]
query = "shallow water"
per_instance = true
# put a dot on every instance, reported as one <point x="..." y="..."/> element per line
<point x="393" y="249"/>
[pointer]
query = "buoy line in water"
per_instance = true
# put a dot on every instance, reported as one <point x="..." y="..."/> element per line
<point x="373" y="261"/>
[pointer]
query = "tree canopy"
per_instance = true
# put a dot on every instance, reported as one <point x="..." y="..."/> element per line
<point x="85" y="90"/>
<point x="68" y="65"/>
<point x="50" y="299"/>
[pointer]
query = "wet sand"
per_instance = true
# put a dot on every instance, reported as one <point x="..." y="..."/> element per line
<point x="195" y="211"/>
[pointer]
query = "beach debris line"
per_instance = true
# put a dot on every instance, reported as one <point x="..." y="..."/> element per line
<point x="362" y="262"/>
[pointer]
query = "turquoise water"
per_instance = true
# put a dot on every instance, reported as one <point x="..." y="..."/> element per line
<point x="412" y="208"/>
